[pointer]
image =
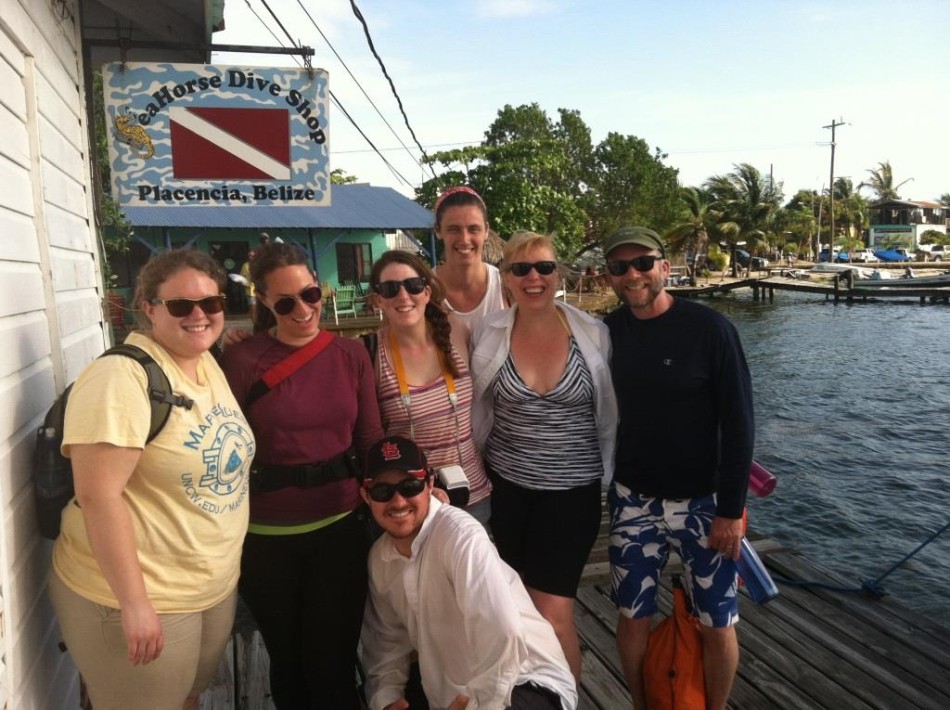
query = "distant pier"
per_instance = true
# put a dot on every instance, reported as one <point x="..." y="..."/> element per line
<point x="836" y="289"/>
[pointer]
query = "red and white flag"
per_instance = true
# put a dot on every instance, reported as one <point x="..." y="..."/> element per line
<point x="230" y="143"/>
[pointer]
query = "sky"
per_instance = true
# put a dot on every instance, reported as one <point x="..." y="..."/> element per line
<point x="712" y="84"/>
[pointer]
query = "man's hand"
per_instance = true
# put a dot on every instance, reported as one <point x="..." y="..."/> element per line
<point x="401" y="704"/>
<point x="725" y="535"/>
<point x="460" y="703"/>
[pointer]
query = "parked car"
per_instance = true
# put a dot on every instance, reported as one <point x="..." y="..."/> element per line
<point x="891" y="255"/>
<point x="939" y="252"/>
<point x="865" y="256"/>
<point x="747" y="261"/>
<point x="840" y="256"/>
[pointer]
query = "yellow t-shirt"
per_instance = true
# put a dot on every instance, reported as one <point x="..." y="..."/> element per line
<point x="188" y="494"/>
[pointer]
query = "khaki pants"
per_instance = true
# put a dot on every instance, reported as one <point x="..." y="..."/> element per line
<point x="93" y="634"/>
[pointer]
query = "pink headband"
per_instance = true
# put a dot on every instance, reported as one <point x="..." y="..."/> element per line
<point x="453" y="191"/>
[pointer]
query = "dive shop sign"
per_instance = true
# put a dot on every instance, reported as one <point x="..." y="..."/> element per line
<point x="217" y="136"/>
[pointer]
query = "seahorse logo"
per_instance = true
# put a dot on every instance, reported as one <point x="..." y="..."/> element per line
<point x="136" y="136"/>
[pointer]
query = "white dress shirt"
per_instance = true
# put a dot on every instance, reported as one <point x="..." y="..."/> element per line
<point x="464" y="611"/>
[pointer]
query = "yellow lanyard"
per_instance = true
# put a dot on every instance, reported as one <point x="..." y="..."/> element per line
<point x="407" y="398"/>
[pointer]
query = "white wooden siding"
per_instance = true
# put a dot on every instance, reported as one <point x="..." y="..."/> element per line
<point x="50" y="317"/>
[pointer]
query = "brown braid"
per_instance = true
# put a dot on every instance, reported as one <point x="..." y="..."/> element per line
<point x="438" y="321"/>
<point x="435" y="314"/>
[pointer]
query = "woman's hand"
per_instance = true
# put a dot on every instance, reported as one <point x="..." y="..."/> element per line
<point x="440" y="495"/>
<point x="143" y="633"/>
<point x="233" y="336"/>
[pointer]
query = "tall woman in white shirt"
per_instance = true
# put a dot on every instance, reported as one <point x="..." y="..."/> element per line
<point x="473" y="288"/>
<point x="546" y="416"/>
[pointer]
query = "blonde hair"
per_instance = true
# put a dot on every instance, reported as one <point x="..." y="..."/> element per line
<point x="522" y="242"/>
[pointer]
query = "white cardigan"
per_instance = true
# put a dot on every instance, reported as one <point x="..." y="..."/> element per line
<point x="491" y="343"/>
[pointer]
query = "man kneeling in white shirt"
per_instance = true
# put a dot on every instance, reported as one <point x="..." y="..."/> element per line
<point x="438" y="587"/>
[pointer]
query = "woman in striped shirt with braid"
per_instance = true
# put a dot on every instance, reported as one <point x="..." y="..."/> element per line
<point x="545" y="416"/>
<point x="423" y="381"/>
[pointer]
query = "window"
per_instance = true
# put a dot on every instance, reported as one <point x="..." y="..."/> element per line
<point x="353" y="262"/>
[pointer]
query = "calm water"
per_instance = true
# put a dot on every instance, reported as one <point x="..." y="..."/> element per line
<point x="853" y="416"/>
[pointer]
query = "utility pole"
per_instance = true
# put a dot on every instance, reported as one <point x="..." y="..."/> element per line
<point x="831" y="191"/>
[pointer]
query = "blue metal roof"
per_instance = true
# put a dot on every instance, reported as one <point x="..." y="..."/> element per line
<point x="353" y="207"/>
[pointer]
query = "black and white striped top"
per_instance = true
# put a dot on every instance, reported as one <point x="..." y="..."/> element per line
<point x="545" y="441"/>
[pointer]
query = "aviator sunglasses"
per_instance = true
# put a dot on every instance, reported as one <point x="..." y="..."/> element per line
<point x="407" y="488"/>
<point x="310" y="295"/>
<point x="390" y="289"/>
<point x="182" y="307"/>
<point x="523" y="268"/>
<point x="619" y="267"/>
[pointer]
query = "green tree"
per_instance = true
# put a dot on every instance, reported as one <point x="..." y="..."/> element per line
<point x="944" y="199"/>
<point x="339" y="177"/>
<point x="699" y="220"/>
<point x="529" y="170"/>
<point x="800" y="217"/>
<point x="632" y="187"/>
<point x="933" y="236"/>
<point x="748" y="202"/>
<point x="115" y="231"/>
<point x="544" y="175"/>
<point x="881" y="182"/>
<point x="852" y="217"/>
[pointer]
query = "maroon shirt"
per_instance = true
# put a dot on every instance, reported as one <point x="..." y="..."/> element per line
<point x="312" y="416"/>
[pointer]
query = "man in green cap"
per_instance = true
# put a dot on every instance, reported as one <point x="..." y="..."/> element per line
<point x="684" y="448"/>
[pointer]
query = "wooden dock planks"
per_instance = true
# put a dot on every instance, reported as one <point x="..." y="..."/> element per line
<point x="810" y="648"/>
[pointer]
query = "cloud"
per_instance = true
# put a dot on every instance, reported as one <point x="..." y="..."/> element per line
<point x="515" y="8"/>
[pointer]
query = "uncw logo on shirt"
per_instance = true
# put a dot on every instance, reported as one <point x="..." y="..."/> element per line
<point x="227" y="460"/>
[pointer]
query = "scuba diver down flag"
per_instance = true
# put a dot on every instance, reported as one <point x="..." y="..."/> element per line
<point x="230" y="143"/>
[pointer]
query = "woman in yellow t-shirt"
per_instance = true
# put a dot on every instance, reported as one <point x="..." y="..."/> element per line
<point x="146" y="566"/>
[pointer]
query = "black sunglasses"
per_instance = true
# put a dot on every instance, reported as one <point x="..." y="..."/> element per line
<point x="407" y="488"/>
<point x="310" y="295"/>
<point x="390" y="289"/>
<point x="182" y="307"/>
<point x="523" y="268"/>
<point x="619" y="267"/>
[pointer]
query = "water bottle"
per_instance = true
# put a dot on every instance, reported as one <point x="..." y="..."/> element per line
<point x="761" y="482"/>
<point x="758" y="581"/>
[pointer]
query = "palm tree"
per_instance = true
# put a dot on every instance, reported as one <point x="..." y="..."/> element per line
<point x="692" y="234"/>
<point x="882" y="184"/>
<point x="748" y="202"/>
<point x="944" y="199"/>
<point x="851" y="212"/>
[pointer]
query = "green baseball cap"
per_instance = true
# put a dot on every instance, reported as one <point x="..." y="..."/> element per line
<point x="634" y="235"/>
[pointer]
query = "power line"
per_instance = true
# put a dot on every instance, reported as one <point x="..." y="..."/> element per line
<point x="267" y="27"/>
<point x="372" y="48"/>
<point x="394" y="148"/>
<point x="336" y="102"/>
<point x="357" y="82"/>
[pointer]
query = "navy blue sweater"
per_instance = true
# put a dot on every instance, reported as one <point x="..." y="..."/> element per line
<point x="687" y="426"/>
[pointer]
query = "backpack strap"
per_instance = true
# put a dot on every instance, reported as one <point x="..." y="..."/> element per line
<point x="159" y="389"/>
<point x="371" y="342"/>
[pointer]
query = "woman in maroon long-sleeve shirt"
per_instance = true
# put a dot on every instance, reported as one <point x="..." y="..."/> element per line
<point x="303" y="570"/>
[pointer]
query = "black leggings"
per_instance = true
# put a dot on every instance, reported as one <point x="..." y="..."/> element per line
<point x="306" y="593"/>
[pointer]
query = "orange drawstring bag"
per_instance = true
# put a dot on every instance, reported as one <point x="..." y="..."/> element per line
<point x="673" y="666"/>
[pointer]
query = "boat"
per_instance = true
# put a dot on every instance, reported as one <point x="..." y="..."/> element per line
<point x="860" y="272"/>
<point x="935" y="281"/>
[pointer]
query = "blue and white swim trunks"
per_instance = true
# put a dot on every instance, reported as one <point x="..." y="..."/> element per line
<point x="642" y="533"/>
